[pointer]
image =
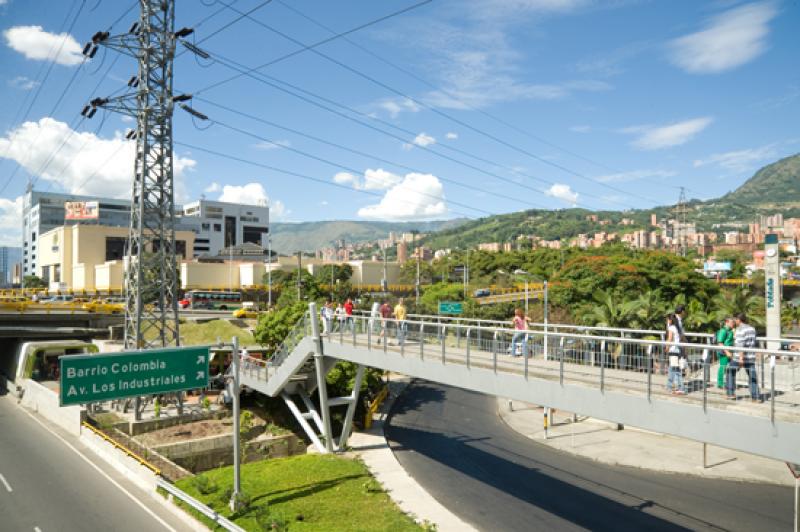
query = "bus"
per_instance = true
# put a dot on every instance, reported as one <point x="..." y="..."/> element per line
<point x="211" y="300"/>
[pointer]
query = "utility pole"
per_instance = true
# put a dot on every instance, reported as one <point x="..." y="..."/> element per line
<point x="416" y="286"/>
<point x="151" y="282"/>
<point x="269" y="271"/>
<point x="681" y="209"/>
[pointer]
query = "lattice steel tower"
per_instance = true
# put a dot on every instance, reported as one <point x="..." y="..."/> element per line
<point x="151" y="313"/>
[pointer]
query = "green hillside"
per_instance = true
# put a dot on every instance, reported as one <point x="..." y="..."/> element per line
<point x="776" y="185"/>
<point x="309" y="236"/>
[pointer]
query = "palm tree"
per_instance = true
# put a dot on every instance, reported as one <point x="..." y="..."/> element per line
<point x="737" y="301"/>
<point x="698" y="319"/>
<point x="609" y="311"/>
<point x="649" y="310"/>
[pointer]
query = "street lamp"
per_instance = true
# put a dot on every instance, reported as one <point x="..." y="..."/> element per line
<point x="269" y="271"/>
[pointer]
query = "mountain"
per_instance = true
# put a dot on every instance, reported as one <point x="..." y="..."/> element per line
<point x="774" y="186"/>
<point x="309" y="236"/>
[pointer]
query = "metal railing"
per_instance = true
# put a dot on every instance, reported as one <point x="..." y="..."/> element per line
<point x="199" y="506"/>
<point x="608" y="362"/>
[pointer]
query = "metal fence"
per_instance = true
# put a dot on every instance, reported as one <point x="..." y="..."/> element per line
<point x="620" y="362"/>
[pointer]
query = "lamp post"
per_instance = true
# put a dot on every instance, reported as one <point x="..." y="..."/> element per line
<point x="269" y="272"/>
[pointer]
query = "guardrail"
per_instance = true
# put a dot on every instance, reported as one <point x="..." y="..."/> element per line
<point x="122" y="448"/>
<point x="199" y="506"/>
<point x="375" y="405"/>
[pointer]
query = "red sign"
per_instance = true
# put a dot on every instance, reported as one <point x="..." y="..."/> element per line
<point x="81" y="210"/>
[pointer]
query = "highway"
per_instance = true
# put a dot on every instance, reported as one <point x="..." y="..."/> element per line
<point x="455" y="445"/>
<point x="46" y="486"/>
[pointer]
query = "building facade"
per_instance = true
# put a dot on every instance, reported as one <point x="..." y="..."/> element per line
<point x="9" y="258"/>
<point x="220" y="225"/>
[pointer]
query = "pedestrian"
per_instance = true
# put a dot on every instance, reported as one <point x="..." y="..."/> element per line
<point x="400" y="315"/>
<point x="374" y="316"/>
<point x="724" y="339"/>
<point x="744" y="336"/>
<point x="348" y="310"/>
<point x="327" y="317"/>
<point x="680" y="314"/>
<point x="675" y="378"/>
<point x="386" y="314"/>
<point x="340" y="317"/>
<point x="520" y="323"/>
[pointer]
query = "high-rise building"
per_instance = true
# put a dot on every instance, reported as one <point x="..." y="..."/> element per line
<point x="402" y="252"/>
<point x="219" y="225"/>
<point x="9" y="257"/>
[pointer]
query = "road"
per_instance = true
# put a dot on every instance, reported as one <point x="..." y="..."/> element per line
<point x="46" y="486"/>
<point x="453" y="442"/>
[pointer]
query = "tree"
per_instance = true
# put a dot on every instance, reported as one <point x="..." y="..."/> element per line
<point x="650" y="310"/>
<point x="32" y="281"/>
<point x="609" y="311"/>
<point x="274" y="326"/>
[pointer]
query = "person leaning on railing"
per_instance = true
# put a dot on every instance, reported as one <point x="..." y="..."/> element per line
<point x="724" y="339"/>
<point x="744" y="336"/>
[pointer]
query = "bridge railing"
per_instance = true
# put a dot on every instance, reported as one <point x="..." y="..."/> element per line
<point x="623" y="363"/>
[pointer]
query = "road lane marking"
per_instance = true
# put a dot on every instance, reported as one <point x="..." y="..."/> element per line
<point x="5" y="483"/>
<point x="130" y="495"/>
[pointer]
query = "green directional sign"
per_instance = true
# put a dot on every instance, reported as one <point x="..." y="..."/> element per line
<point x="450" y="307"/>
<point x="90" y="378"/>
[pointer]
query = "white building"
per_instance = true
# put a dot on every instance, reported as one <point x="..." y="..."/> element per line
<point x="221" y="225"/>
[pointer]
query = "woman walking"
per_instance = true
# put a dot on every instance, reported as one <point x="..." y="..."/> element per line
<point x="520" y="323"/>
<point x="675" y="379"/>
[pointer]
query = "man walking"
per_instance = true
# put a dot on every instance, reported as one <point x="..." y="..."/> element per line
<point x="386" y="315"/>
<point x="348" y="310"/>
<point x="724" y="339"/>
<point x="745" y="336"/>
<point x="400" y="316"/>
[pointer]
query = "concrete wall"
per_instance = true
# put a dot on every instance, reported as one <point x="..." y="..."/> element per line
<point x="109" y="276"/>
<point x="209" y="275"/>
<point x="251" y="273"/>
<point x="45" y="401"/>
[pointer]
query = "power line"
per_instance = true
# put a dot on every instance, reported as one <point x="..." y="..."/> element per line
<point x="265" y="79"/>
<point x="293" y="173"/>
<point x="363" y="154"/>
<point x="486" y="134"/>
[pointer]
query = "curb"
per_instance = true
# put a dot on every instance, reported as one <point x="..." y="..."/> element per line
<point x="373" y="449"/>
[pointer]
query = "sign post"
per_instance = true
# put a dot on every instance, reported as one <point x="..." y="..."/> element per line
<point x="93" y="378"/>
<point x="451" y="307"/>
<point x="772" y="278"/>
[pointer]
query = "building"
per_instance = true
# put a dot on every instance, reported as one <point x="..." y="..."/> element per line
<point x="9" y="258"/>
<point x="44" y="211"/>
<point x="402" y="252"/>
<point x="220" y="225"/>
<point x="654" y="220"/>
<point x="91" y="257"/>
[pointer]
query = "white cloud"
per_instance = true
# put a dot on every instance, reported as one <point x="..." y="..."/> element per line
<point x="35" y="43"/>
<point x="11" y="221"/>
<point x="395" y="106"/>
<point x="418" y="196"/>
<point x="580" y="129"/>
<point x="253" y="194"/>
<point x="127" y="119"/>
<point x="659" y="137"/>
<point x="83" y="163"/>
<point x="451" y="136"/>
<point x="274" y="145"/>
<point x="23" y="83"/>
<point x="563" y="192"/>
<point x="633" y="175"/>
<point x="729" y="40"/>
<point x="377" y="179"/>
<point x="740" y="160"/>
<point x="212" y="188"/>
<point x="423" y="139"/>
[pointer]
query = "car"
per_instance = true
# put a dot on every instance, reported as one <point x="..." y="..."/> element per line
<point x="63" y="298"/>
<point x="245" y="313"/>
<point x="184" y="303"/>
<point x="102" y="307"/>
<point x="482" y="292"/>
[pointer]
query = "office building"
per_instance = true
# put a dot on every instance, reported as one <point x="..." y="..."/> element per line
<point x="9" y="257"/>
<point x="221" y="225"/>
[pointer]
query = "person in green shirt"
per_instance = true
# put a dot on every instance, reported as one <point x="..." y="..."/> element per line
<point x="725" y="339"/>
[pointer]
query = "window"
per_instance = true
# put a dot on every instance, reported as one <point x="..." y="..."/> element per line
<point x="33" y="236"/>
<point x="115" y="247"/>
<point x="217" y="228"/>
<point x="201" y="240"/>
<point x="253" y="234"/>
<point x="57" y="273"/>
<point x="206" y="226"/>
<point x="201" y="248"/>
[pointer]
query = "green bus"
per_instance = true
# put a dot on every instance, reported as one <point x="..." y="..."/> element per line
<point x="211" y="300"/>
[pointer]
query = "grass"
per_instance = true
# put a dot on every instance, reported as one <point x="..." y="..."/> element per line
<point x="308" y="493"/>
<point x="207" y="333"/>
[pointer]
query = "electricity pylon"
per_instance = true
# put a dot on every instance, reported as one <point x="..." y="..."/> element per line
<point x="151" y="281"/>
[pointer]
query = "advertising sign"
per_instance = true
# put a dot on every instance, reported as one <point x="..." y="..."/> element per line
<point x="90" y="378"/>
<point x="772" y="288"/>
<point x="81" y="210"/>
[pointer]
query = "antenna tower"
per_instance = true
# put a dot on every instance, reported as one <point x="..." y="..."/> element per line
<point x="681" y="210"/>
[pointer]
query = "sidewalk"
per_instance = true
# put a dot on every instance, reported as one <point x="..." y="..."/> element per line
<point x="599" y="440"/>
<point x="371" y="446"/>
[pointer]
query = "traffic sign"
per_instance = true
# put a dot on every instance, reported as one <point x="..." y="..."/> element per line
<point x="90" y="378"/>
<point x="450" y="307"/>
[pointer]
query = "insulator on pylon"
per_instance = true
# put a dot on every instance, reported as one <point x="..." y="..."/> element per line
<point x="92" y="112"/>
<point x="93" y="52"/>
<point x="184" y="32"/>
<point x="182" y="98"/>
<point x="87" y="48"/>
<point x="192" y="112"/>
<point x="130" y="134"/>
<point x="131" y="81"/>
<point x="195" y="50"/>
<point x="134" y="27"/>
<point x="85" y="110"/>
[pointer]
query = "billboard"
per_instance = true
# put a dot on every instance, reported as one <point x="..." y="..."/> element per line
<point x="81" y="210"/>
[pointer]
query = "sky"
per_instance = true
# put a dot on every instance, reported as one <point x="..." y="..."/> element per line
<point x="423" y="110"/>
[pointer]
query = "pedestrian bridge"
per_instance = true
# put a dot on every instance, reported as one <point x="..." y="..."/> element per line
<point x="619" y="377"/>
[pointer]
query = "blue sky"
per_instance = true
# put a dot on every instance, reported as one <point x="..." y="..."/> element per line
<point x="503" y="105"/>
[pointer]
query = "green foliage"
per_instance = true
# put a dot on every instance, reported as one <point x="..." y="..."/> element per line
<point x="157" y="408"/>
<point x="206" y="404"/>
<point x="342" y="378"/>
<point x="32" y="281"/>
<point x="431" y="295"/>
<point x="269" y="521"/>
<point x="204" y="485"/>
<point x="274" y="326"/>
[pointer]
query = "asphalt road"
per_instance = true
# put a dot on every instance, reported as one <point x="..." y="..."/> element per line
<point x="46" y="486"/>
<point x="455" y="445"/>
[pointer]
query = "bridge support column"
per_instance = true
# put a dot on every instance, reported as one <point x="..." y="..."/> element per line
<point x="351" y="408"/>
<point x="322" y="387"/>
